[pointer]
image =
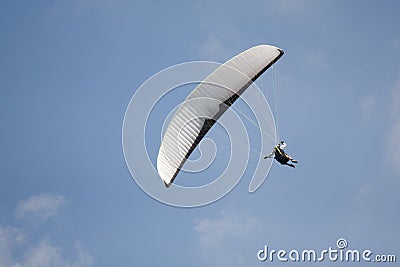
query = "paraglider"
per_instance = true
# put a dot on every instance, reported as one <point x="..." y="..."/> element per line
<point x="207" y="103"/>
<point x="281" y="156"/>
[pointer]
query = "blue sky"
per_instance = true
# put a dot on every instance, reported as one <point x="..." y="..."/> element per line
<point x="68" y="70"/>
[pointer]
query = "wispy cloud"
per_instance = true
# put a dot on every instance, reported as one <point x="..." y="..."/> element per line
<point x="315" y="60"/>
<point x="10" y="238"/>
<point x="213" y="48"/>
<point x="376" y="198"/>
<point x="393" y="147"/>
<point x="17" y="250"/>
<point x="221" y="239"/>
<point x="393" y="137"/>
<point x="229" y="224"/>
<point x="83" y="258"/>
<point x="367" y="107"/>
<point x="219" y="39"/>
<point x="394" y="112"/>
<point x="42" y="206"/>
<point x="43" y="254"/>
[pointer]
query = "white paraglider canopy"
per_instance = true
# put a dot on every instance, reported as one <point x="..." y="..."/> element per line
<point x="207" y="103"/>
